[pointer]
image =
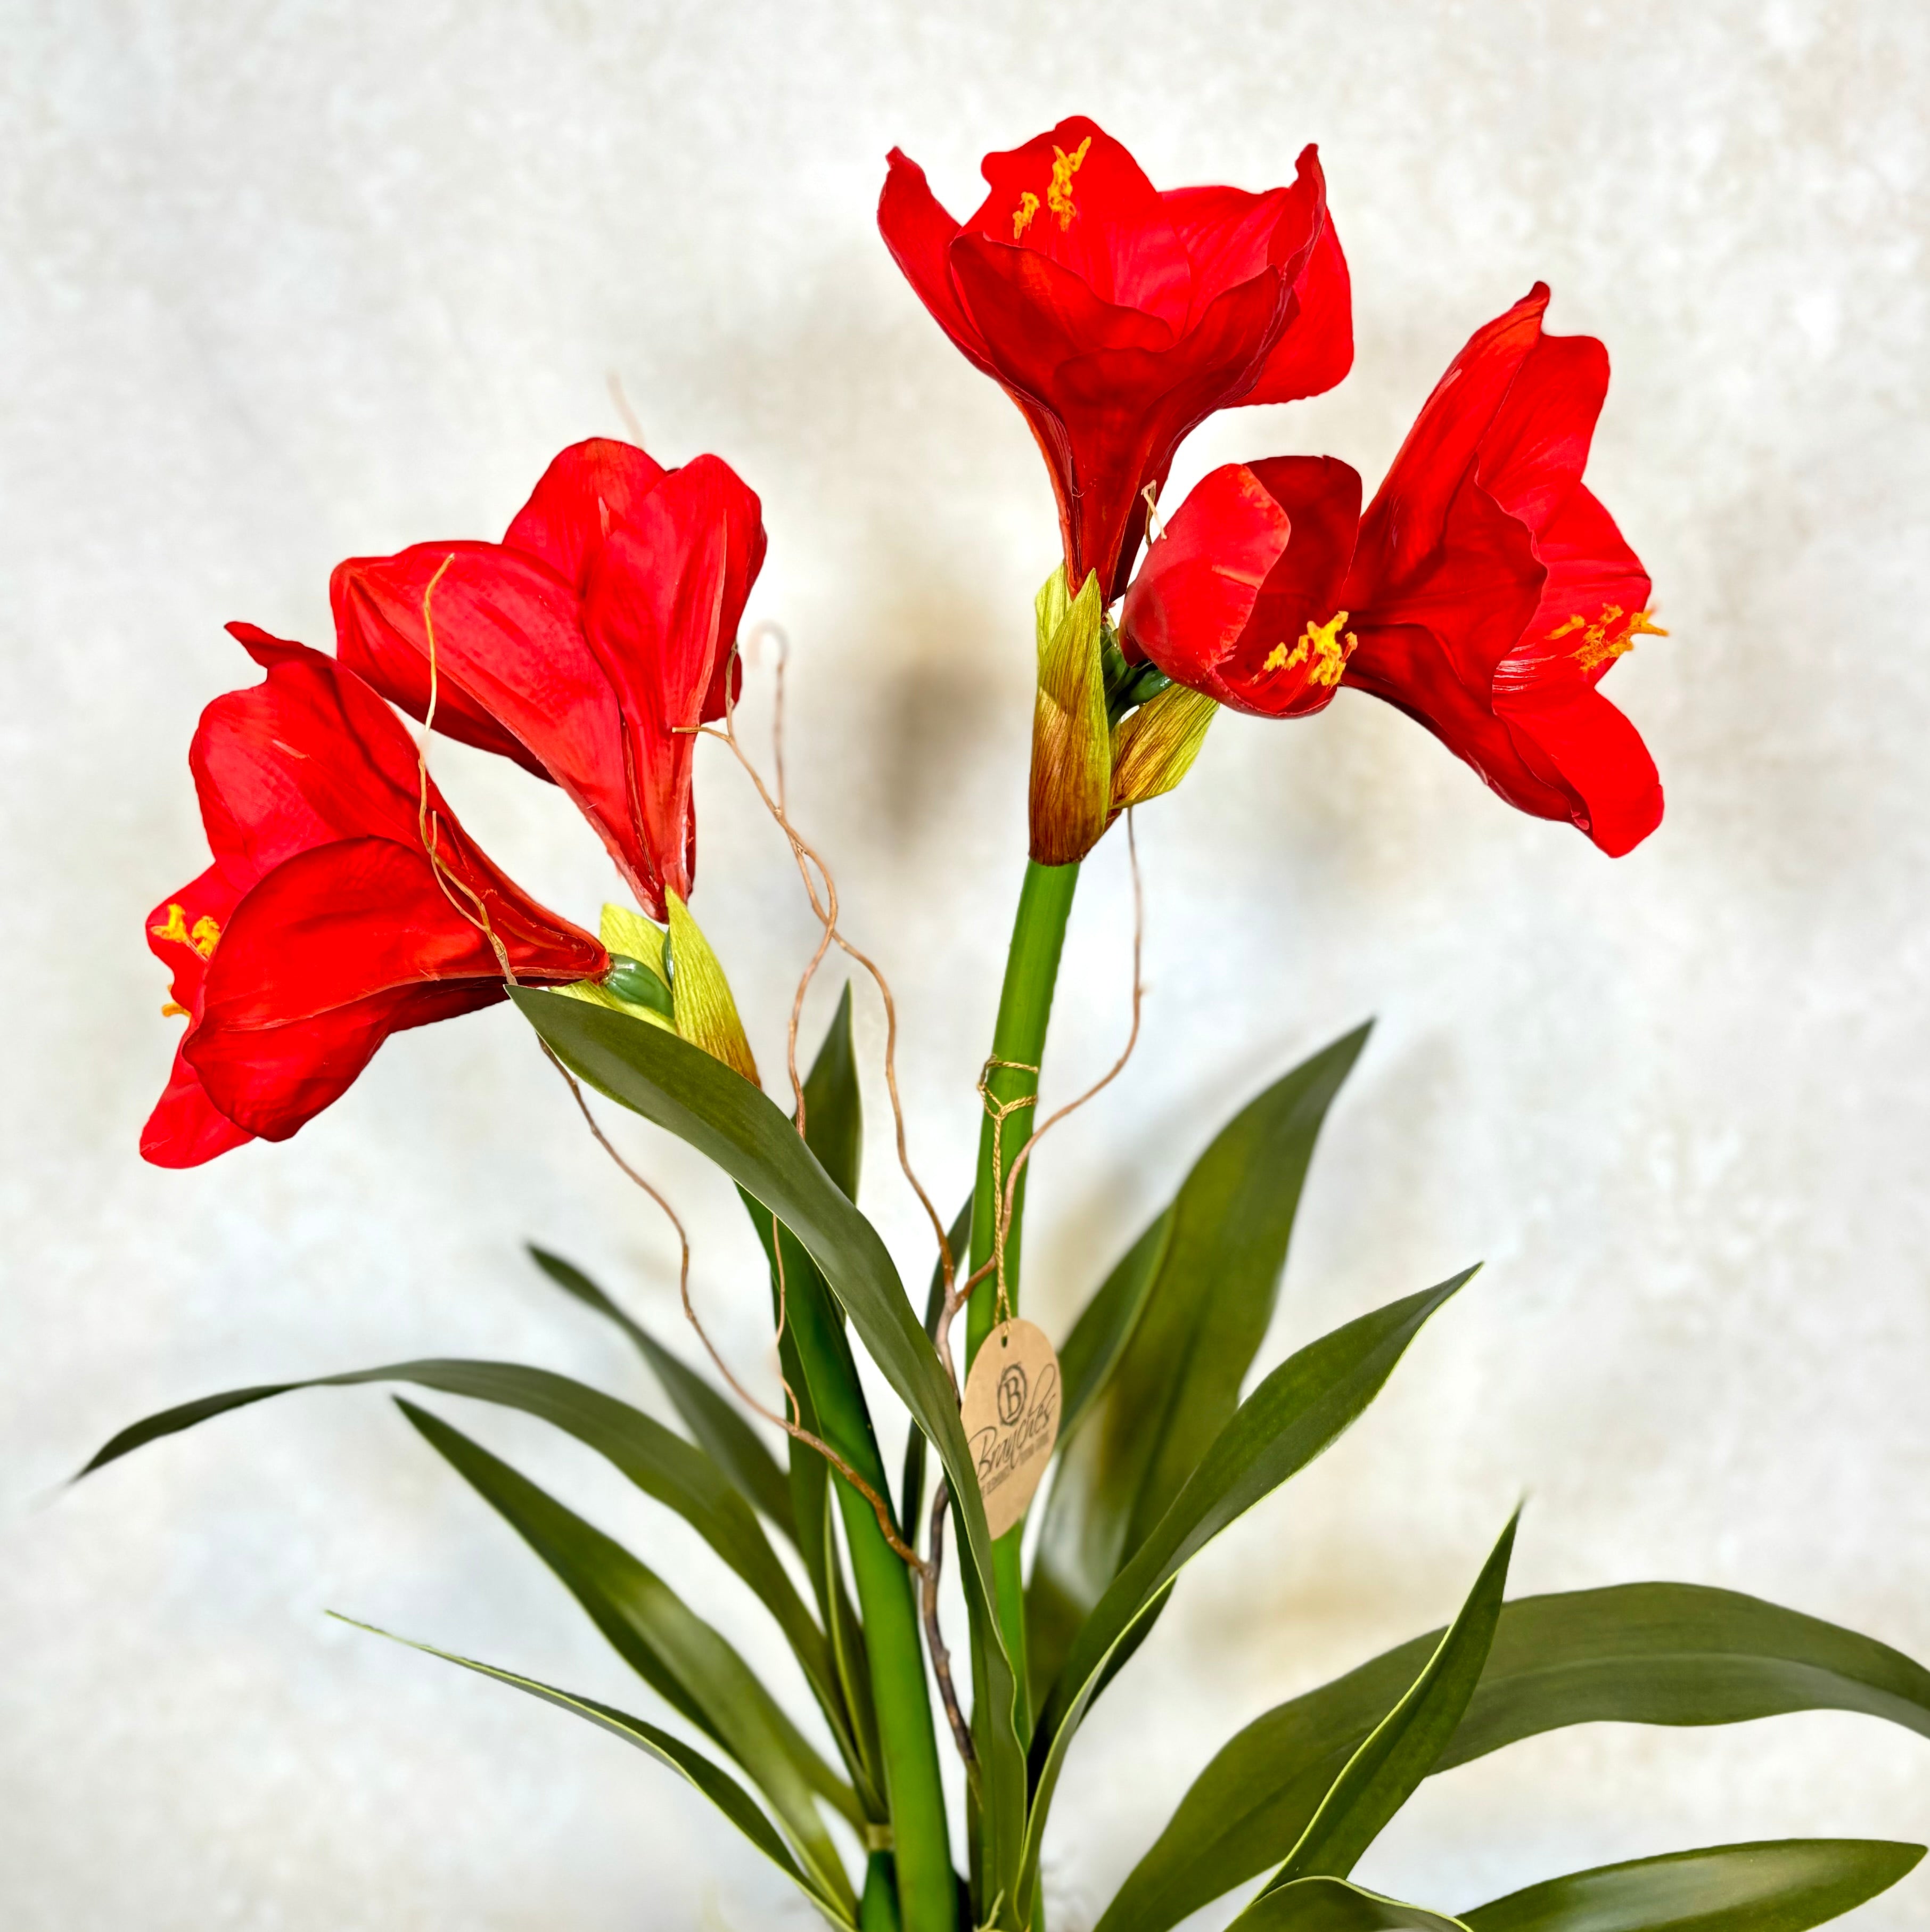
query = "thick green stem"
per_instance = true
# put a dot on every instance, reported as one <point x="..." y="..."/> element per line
<point x="907" y="1739"/>
<point x="1018" y="1045"/>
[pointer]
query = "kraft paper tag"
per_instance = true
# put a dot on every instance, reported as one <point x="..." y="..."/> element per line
<point x="1011" y="1418"/>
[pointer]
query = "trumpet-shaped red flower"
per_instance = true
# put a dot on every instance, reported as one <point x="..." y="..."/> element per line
<point x="588" y="645"/>
<point x="1486" y="592"/>
<point x="1118" y="318"/>
<point x="345" y="903"/>
<point x="1238" y="595"/>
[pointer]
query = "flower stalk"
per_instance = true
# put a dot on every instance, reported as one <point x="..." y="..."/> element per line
<point x="1011" y="1086"/>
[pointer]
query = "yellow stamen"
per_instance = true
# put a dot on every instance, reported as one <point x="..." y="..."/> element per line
<point x="1059" y="194"/>
<point x="172" y="1011"/>
<point x="1027" y="208"/>
<point x="1330" y="654"/>
<point x="1611" y="636"/>
<point x="174" y="927"/>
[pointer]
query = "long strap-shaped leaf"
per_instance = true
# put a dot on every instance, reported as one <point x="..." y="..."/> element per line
<point x="729" y="1441"/>
<point x="911" y="1488"/>
<point x="686" y="1660"/>
<point x="1401" y="1749"/>
<point x="1296" y="1412"/>
<point x="1154" y="1368"/>
<point x="716" y="1784"/>
<point x="1786" y="1885"/>
<point x="657" y="1461"/>
<point x="1635" y="1653"/>
<point x="682" y="1089"/>
<point x="1327" y="1904"/>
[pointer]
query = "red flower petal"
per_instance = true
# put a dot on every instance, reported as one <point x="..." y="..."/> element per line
<point x="1534" y="449"/>
<point x="1316" y="348"/>
<point x="1078" y="198"/>
<point x="1617" y="793"/>
<point x="654" y="616"/>
<point x="1251" y="561"/>
<point x="919" y="234"/>
<point x="510" y="650"/>
<point x="1404" y="523"/>
<point x="186" y="1128"/>
<point x="1195" y="591"/>
<point x="322" y="924"/>
<point x="1408" y="667"/>
<point x="590" y="488"/>
<point x="332" y="951"/>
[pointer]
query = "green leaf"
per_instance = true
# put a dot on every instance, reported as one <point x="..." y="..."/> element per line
<point x="1176" y="1378"/>
<point x="834" y="1109"/>
<point x="1786" y="1885"/>
<point x="1100" y="1336"/>
<point x="1297" y="1412"/>
<point x="730" y="1121"/>
<point x="815" y="1360"/>
<point x="1401" y="1749"/>
<point x="659" y="1462"/>
<point x="729" y="1441"/>
<point x="958" y="1237"/>
<point x="1328" y="1904"/>
<point x="692" y="1667"/>
<point x="1675" y="1653"/>
<point x="716" y="1784"/>
<point x="1057" y="1600"/>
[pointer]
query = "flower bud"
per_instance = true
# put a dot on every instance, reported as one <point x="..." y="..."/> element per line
<point x="1071" y="749"/>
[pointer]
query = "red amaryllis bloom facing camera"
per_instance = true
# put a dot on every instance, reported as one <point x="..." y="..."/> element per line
<point x="325" y="923"/>
<point x="1118" y="318"/>
<point x="588" y="645"/>
<point x="1486" y="592"/>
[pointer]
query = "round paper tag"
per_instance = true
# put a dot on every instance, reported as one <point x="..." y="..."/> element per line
<point x="1011" y="1418"/>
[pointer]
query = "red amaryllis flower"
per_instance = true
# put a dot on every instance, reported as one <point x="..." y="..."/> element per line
<point x="1118" y="318"/>
<point x="345" y="903"/>
<point x="1239" y="595"/>
<point x="587" y="646"/>
<point x="1486" y="594"/>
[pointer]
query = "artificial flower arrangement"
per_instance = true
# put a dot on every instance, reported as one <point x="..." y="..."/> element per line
<point x="1483" y="590"/>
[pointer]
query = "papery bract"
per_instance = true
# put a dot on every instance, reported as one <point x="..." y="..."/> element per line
<point x="1118" y="318"/>
<point x="588" y="645"/>
<point x="324" y="925"/>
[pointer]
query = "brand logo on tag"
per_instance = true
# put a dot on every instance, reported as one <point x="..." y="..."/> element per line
<point x="1010" y="1415"/>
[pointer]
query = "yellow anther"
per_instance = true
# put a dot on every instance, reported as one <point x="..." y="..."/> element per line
<point x="1609" y="636"/>
<point x="1027" y="208"/>
<point x="1059" y="194"/>
<point x="1330" y="654"/>
<point x="1320" y="642"/>
<point x="173" y="1012"/>
<point x="174" y="927"/>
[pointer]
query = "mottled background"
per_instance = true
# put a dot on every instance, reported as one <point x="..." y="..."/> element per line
<point x="282" y="283"/>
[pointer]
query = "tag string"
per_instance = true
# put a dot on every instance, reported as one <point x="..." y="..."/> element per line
<point x="1000" y="1112"/>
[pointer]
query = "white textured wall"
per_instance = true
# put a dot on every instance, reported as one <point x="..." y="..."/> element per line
<point x="280" y="283"/>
